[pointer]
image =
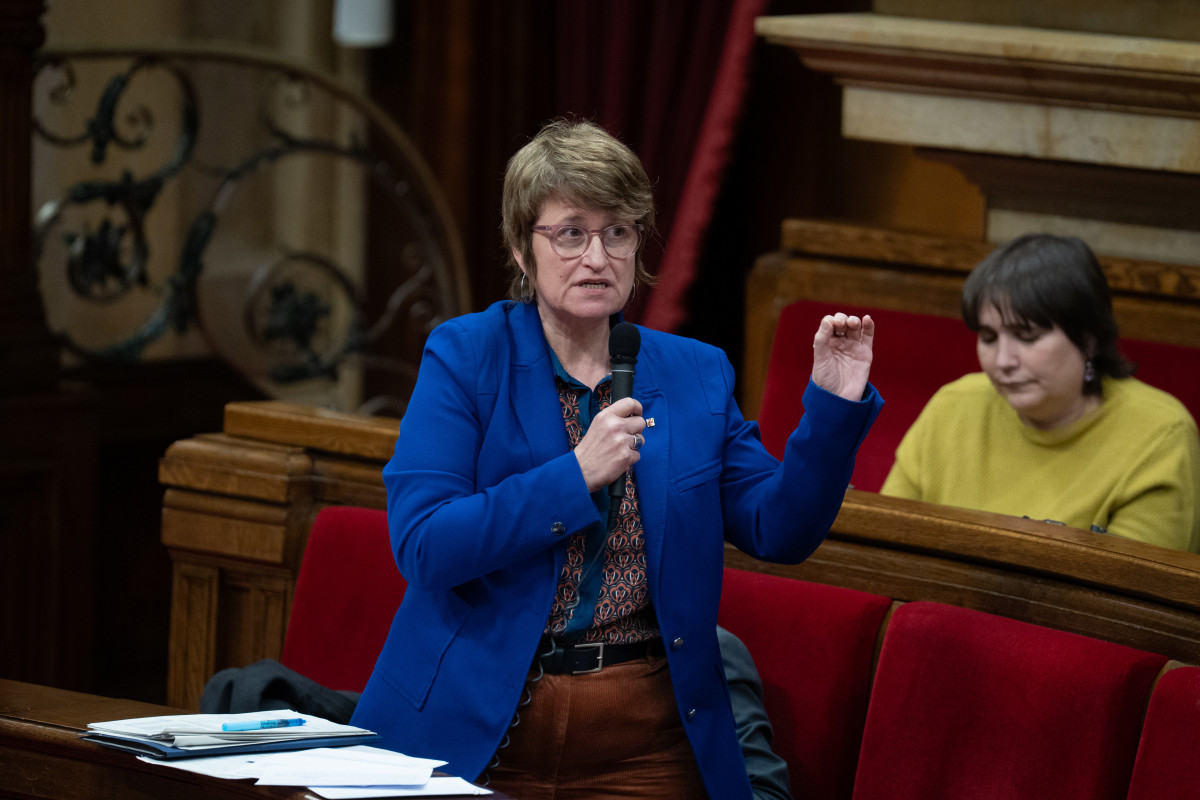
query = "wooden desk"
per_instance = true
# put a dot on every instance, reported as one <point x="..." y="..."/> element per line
<point x="42" y="756"/>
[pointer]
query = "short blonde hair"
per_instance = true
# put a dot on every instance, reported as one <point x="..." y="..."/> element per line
<point x="578" y="163"/>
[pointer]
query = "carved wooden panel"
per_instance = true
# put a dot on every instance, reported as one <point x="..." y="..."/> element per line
<point x="194" y="610"/>
<point x="236" y="516"/>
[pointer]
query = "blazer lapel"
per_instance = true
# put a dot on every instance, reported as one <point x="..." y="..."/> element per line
<point x="535" y="410"/>
<point x="651" y="470"/>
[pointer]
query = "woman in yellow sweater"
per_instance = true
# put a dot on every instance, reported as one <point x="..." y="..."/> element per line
<point x="1054" y="428"/>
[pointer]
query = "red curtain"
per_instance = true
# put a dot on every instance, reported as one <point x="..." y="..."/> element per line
<point x="669" y="79"/>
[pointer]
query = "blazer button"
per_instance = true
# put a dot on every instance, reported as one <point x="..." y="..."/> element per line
<point x="677" y="643"/>
<point x="691" y="714"/>
<point x="558" y="528"/>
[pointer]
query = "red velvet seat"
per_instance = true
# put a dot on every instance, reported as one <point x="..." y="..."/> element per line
<point x="1171" y="367"/>
<point x="916" y="354"/>
<point x="347" y="591"/>
<point x="1166" y="765"/>
<point x="813" y="646"/>
<point x="971" y="705"/>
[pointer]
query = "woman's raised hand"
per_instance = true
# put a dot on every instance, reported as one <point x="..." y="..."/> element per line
<point x="842" y="351"/>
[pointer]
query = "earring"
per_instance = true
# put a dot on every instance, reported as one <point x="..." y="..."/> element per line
<point x="1089" y="372"/>
<point x="522" y="289"/>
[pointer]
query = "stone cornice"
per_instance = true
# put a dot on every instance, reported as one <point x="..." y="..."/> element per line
<point x="996" y="61"/>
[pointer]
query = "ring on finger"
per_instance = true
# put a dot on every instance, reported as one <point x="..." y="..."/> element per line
<point x="638" y="441"/>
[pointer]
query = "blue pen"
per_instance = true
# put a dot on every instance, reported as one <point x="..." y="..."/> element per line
<point x="261" y="724"/>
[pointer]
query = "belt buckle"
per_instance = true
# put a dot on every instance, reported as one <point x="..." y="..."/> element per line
<point x="599" y="647"/>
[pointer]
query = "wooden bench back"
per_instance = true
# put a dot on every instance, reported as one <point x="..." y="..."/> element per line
<point x="239" y="505"/>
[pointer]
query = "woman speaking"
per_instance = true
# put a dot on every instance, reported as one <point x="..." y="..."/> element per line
<point x="564" y="547"/>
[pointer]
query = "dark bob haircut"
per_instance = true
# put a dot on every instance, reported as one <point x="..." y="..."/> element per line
<point x="1047" y="281"/>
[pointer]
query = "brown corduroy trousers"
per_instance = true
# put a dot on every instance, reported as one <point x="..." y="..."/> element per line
<point x="615" y="733"/>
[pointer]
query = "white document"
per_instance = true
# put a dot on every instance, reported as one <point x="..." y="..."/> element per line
<point x="346" y="766"/>
<point x="436" y="787"/>
<point x="349" y="765"/>
<point x="230" y="767"/>
<point x="204" y="730"/>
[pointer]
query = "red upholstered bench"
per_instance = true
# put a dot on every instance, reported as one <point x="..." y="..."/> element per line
<point x="956" y="703"/>
<point x="915" y="354"/>
<point x="347" y="591"/>
<point x="813" y="646"/>
<point x="1167" y="765"/>
<point x="967" y="704"/>
<point x="1171" y="367"/>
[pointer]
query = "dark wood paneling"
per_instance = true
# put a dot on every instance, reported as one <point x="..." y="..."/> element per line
<point x="47" y="477"/>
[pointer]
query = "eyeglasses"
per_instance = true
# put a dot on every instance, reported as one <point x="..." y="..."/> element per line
<point x="569" y="241"/>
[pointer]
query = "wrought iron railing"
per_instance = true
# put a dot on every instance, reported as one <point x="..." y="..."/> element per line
<point x="218" y="200"/>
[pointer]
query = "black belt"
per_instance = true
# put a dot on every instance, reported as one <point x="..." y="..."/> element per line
<point x="576" y="658"/>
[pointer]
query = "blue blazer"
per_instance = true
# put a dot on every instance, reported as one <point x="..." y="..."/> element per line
<point x="484" y="492"/>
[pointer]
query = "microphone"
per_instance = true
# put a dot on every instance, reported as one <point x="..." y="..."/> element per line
<point x="624" y="342"/>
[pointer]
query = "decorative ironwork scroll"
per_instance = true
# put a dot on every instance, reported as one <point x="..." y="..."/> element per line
<point x="229" y="202"/>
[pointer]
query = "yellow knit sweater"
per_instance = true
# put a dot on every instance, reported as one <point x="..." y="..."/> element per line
<point x="1130" y="467"/>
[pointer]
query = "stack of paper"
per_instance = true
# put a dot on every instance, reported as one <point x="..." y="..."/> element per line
<point x="189" y="735"/>
<point x="335" y="773"/>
